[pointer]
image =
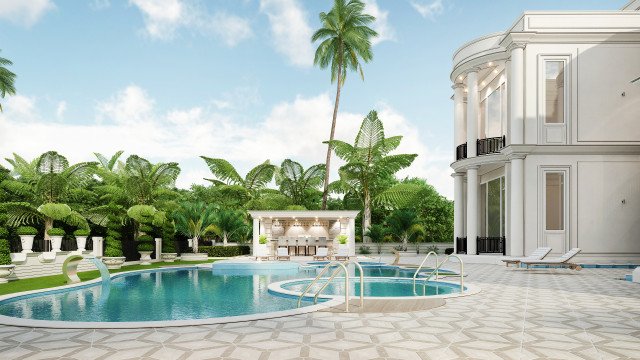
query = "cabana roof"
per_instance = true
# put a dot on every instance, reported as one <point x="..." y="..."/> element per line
<point x="304" y="214"/>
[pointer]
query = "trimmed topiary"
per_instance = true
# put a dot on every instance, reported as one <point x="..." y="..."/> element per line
<point x="168" y="236"/>
<point x="146" y="228"/>
<point x="5" y="257"/>
<point x="55" y="232"/>
<point x="27" y="230"/>
<point x="4" y="233"/>
<point x="145" y="238"/>
<point x="145" y="246"/>
<point x="82" y="232"/>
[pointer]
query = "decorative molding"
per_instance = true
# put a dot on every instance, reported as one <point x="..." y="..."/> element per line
<point x="458" y="85"/>
<point x="516" y="45"/>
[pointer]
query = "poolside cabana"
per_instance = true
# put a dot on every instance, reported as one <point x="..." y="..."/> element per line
<point x="302" y="232"/>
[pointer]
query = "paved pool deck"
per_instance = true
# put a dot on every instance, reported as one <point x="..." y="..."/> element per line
<point x="536" y="314"/>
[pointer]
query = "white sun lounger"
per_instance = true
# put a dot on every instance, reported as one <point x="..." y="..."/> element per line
<point x="562" y="261"/>
<point x="322" y="254"/>
<point x="343" y="254"/>
<point x="538" y="254"/>
<point x="283" y="253"/>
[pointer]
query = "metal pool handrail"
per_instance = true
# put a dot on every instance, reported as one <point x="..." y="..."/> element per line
<point x="324" y="270"/>
<point x="415" y="275"/>
<point x="315" y="298"/>
<point x="442" y="263"/>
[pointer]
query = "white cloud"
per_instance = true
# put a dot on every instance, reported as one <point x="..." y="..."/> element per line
<point x="100" y="4"/>
<point x="290" y="30"/>
<point x="163" y="18"/>
<point x="61" y="109"/>
<point x="428" y="9"/>
<point x="24" y="12"/>
<point x="21" y="108"/>
<point x="130" y="121"/>
<point x="381" y="25"/>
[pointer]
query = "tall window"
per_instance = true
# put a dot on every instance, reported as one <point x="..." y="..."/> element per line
<point x="554" y="92"/>
<point x="495" y="207"/>
<point x="494" y="121"/>
<point x="554" y="193"/>
<point x="482" y="126"/>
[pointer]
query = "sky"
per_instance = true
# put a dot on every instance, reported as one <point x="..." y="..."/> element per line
<point x="171" y="80"/>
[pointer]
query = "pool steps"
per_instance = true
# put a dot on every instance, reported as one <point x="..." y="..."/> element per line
<point x="342" y="266"/>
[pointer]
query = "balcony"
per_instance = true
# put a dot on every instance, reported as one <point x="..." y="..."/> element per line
<point x="483" y="147"/>
<point x="491" y="245"/>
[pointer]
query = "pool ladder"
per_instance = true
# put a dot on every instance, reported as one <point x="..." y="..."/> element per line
<point x="436" y="270"/>
<point x="342" y="267"/>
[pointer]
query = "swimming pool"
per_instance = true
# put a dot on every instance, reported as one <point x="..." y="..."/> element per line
<point x="180" y="296"/>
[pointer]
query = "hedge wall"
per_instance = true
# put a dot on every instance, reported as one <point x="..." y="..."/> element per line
<point x="225" y="251"/>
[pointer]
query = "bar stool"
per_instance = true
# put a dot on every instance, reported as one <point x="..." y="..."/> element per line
<point x="311" y="249"/>
<point x="301" y="249"/>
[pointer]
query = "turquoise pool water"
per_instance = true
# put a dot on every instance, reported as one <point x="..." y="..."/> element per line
<point x="377" y="287"/>
<point x="186" y="294"/>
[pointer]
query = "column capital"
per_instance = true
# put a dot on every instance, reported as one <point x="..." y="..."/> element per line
<point x="474" y="69"/>
<point x="457" y="174"/>
<point x="516" y="45"/>
<point x="458" y="86"/>
<point x="473" y="167"/>
<point x="516" y="156"/>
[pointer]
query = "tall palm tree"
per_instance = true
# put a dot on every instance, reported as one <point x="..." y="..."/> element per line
<point x="368" y="163"/>
<point x="404" y="224"/>
<point x="7" y="79"/>
<point x="346" y="39"/>
<point x="194" y="220"/>
<point x="298" y="184"/>
<point x="45" y="185"/>
<point x="228" y="223"/>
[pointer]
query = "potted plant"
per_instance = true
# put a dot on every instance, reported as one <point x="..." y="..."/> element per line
<point x="81" y="239"/>
<point x="56" y="235"/>
<point x="169" y="253"/>
<point x="262" y="249"/>
<point x="6" y="267"/>
<point x="342" y="241"/>
<point x="145" y="247"/>
<point x="113" y="258"/>
<point x="27" y="233"/>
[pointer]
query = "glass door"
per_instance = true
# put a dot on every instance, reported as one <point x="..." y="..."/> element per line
<point x="554" y="209"/>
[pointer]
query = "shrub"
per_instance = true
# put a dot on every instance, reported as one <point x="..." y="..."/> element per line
<point x="262" y="239"/>
<point x="433" y="248"/>
<point x="146" y="228"/>
<point x="365" y="250"/>
<point x="342" y="239"/>
<point x="3" y="233"/>
<point x="26" y="230"/>
<point x="56" y="232"/>
<point x="448" y="251"/>
<point x="226" y="251"/>
<point x="113" y="244"/>
<point x="145" y="238"/>
<point x="145" y="246"/>
<point x="81" y="232"/>
<point x="168" y="237"/>
<point x="5" y="258"/>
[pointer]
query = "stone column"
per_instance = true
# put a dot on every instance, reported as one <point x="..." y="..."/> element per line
<point x="256" y="235"/>
<point x="458" y="208"/>
<point x="516" y="217"/>
<point x="351" y="232"/>
<point x="472" y="209"/>
<point x="158" y="248"/>
<point x="97" y="246"/>
<point x="472" y="112"/>
<point x="516" y="94"/>
<point x="507" y="215"/>
<point x="459" y="131"/>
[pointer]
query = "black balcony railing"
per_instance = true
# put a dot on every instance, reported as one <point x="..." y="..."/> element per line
<point x="461" y="245"/>
<point x="461" y="152"/>
<point x="490" y="145"/>
<point x="483" y="147"/>
<point x="491" y="245"/>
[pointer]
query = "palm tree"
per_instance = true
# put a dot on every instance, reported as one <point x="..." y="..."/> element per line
<point x="195" y="220"/>
<point x="45" y="184"/>
<point x="404" y="224"/>
<point x="7" y="79"/>
<point x="376" y="233"/>
<point x="346" y="38"/>
<point x="369" y="164"/>
<point x="228" y="223"/>
<point x="298" y="184"/>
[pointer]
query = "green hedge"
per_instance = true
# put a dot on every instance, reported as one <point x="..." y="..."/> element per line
<point x="27" y="230"/>
<point x="225" y="251"/>
<point x="5" y="257"/>
<point x="81" y="232"/>
<point x="56" y="232"/>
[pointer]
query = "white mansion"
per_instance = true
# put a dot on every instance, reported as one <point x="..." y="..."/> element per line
<point x="547" y="136"/>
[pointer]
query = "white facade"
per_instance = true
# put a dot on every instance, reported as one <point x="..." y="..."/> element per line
<point x="552" y="110"/>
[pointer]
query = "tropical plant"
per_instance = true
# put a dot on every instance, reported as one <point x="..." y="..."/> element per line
<point x="364" y="250"/>
<point x="229" y="223"/>
<point x="113" y="240"/>
<point x="404" y="224"/>
<point x="262" y="239"/>
<point x="5" y="252"/>
<point x="433" y="248"/>
<point x="376" y="233"/>
<point x="44" y="184"/>
<point x="345" y="38"/>
<point x="368" y="164"/>
<point x="56" y="232"/>
<point x="342" y="239"/>
<point x="81" y="232"/>
<point x="7" y="79"/>
<point x="300" y="185"/>
<point x="195" y="220"/>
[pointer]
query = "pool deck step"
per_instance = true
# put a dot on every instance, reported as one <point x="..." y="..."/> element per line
<point x="388" y="305"/>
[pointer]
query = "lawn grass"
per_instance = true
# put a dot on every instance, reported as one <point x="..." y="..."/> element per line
<point x="50" y="281"/>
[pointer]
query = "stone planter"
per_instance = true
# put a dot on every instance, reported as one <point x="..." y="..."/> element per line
<point x="81" y="242"/>
<point x="5" y="272"/>
<point x="56" y="243"/>
<point x="145" y="257"/>
<point x="113" y="262"/>
<point x="27" y="243"/>
<point x="194" y="257"/>
<point x="168" y="257"/>
<point x="261" y="250"/>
